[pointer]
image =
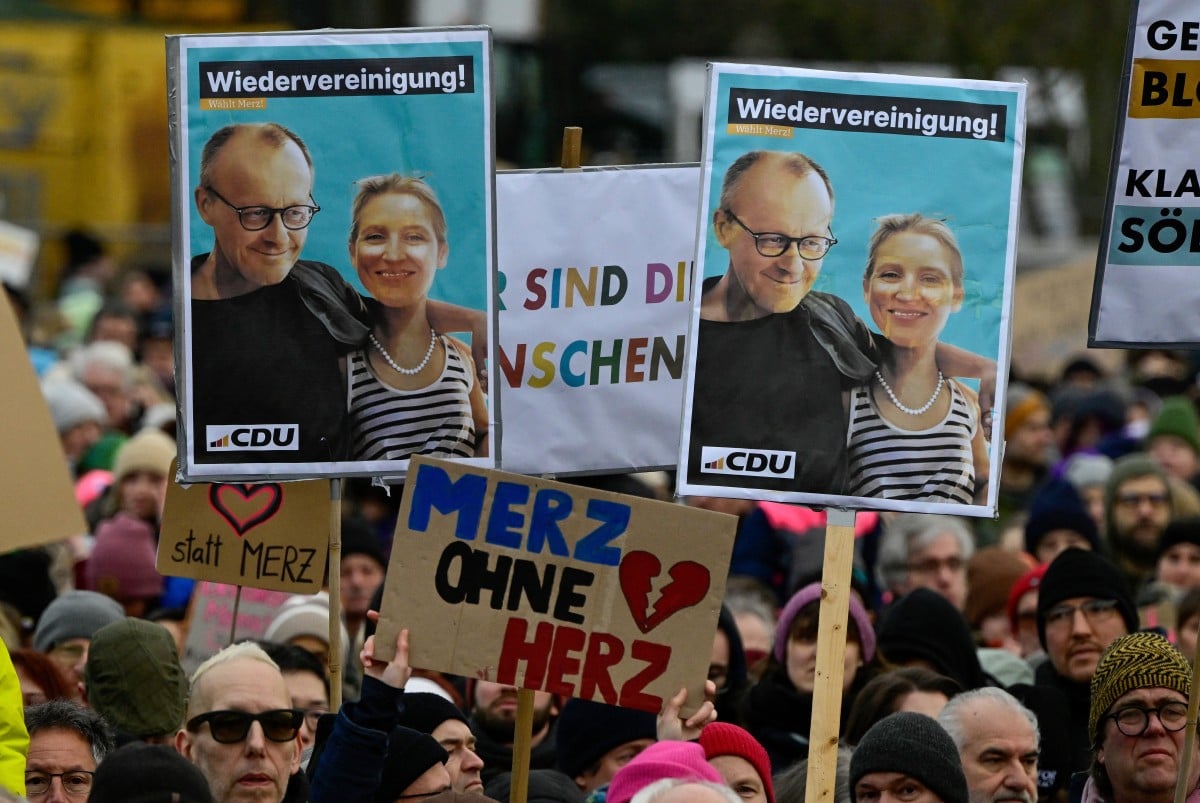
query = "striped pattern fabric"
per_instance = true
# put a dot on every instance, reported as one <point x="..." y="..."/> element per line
<point x="921" y="465"/>
<point x="391" y="424"/>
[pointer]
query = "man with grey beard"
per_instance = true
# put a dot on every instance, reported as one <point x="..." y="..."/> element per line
<point x="997" y="740"/>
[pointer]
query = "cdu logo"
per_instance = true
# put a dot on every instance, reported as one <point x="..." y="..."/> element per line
<point x="747" y="462"/>
<point x="252" y="437"/>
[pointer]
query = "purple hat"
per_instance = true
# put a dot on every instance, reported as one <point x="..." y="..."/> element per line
<point x="812" y="593"/>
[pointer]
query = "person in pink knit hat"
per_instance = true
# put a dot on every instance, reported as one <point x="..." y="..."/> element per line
<point x="740" y="760"/>
<point x="682" y="760"/>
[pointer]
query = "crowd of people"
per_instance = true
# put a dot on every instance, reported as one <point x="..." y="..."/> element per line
<point x="1041" y="655"/>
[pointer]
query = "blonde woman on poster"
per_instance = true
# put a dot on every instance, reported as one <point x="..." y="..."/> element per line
<point x="914" y="433"/>
<point x="412" y="390"/>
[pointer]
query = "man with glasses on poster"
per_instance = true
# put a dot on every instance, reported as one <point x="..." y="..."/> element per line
<point x="774" y="358"/>
<point x="241" y="730"/>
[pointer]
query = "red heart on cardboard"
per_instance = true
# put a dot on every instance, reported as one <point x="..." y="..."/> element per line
<point x="245" y="506"/>
<point x="689" y="583"/>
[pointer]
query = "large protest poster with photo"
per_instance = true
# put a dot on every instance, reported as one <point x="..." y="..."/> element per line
<point x="333" y="250"/>
<point x="595" y="291"/>
<point x="854" y="267"/>
<point x="1146" y="290"/>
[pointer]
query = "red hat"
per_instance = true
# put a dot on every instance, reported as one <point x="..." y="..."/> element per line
<point x="1028" y="582"/>
<point x="725" y="739"/>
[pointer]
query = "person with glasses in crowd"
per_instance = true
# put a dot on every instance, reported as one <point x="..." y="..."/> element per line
<point x="269" y="331"/>
<point x="1083" y="606"/>
<point x="1138" y="721"/>
<point x="774" y="358"/>
<point x="1137" y="509"/>
<point x="241" y="729"/>
<point x="67" y="741"/>
<point x="919" y="550"/>
<point x="914" y="433"/>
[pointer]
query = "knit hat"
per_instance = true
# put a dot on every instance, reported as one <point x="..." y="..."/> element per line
<point x="134" y="679"/>
<point x="1058" y="506"/>
<point x="122" y="563"/>
<point x="1030" y="581"/>
<point x="1084" y="470"/>
<point x="1179" y="531"/>
<point x="149" y="450"/>
<point x="304" y="615"/>
<point x="410" y="754"/>
<point x="357" y="539"/>
<point x="991" y="573"/>
<point x="1021" y="402"/>
<point x="924" y="626"/>
<point x="915" y="745"/>
<point x="1177" y="417"/>
<point x="423" y="711"/>
<point x="72" y="404"/>
<point x="75" y="614"/>
<point x="725" y="739"/>
<point x="683" y="760"/>
<point x="1080" y="573"/>
<point x="455" y="796"/>
<point x="587" y="730"/>
<point x="545" y="786"/>
<point x="1136" y="661"/>
<point x="148" y="773"/>
<point x="812" y="593"/>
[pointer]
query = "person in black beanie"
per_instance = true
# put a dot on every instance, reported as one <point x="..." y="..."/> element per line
<point x="447" y="724"/>
<point x="1084" y="604"/>
<point x="145" y="773"/>
<point x="908" y="749"/>
<point x="595" y="740"/>
<point x="923" y="628"/>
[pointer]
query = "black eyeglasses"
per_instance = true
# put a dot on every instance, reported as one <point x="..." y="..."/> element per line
<point x="257" y="218"/>
<point x="773" y="244"/>
<point x="76" y="783"/>
<point x="1094" y="610"/>
<point x="1134" y="720"/>
<point x="231" y="727"/>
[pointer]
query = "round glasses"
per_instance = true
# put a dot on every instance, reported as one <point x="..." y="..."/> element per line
<point x="773" y="244"/>
<point x="1134" y="720"/>
<point x="257" y="218"/>
<point x="231" y="727"/>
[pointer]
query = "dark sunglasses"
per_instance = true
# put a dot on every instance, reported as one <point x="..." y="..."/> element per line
<point x="231" y="727"/>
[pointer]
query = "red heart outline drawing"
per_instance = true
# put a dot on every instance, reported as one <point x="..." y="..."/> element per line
<point x="271" y="498"/>
<point x="688" y="586"/>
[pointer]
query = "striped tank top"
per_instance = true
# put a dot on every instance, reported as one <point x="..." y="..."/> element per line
<point x="391" y="424"/>
<point x="934" y="464"/>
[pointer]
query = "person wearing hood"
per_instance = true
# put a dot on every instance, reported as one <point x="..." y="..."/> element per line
<point x="922" y="628"/>
<point x="727" y="667"/>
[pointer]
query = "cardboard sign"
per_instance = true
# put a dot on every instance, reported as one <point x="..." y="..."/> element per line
<point x="1145" y="291"/>
<point x="593" y="315"/>
<point x="276" y="374"/>
<point x="210" y="619"/>
<point x="554" y="587"/>
<point x="271" y="535"/>
<point x="810" y="378"/>
<point x="38" y="504"/>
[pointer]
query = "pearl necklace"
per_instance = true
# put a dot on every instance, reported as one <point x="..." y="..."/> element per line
<point x="911" y="410"/>
<point x="409" y="371"/>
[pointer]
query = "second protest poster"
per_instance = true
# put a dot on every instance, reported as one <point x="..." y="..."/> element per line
<point x="855" y="262"/>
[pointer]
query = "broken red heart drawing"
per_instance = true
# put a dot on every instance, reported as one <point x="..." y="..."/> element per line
<point x="245" y="506"/>
<point x="688" y="586"/>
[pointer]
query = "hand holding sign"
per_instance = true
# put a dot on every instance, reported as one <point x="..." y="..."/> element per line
<point x="395" y="672"/>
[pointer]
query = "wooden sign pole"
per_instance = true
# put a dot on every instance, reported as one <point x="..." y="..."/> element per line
<point x="237" y="603"/>
<point x="1189" y="738"/>
<point x="335" y="594"/>
<point x="572" y="146"/>
<point x="831" y="651"/>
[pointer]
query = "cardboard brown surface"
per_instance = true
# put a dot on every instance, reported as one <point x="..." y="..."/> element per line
<point x="270" y="535"/>
<point x="555" y="587"/>
<point x="38" y="505"/>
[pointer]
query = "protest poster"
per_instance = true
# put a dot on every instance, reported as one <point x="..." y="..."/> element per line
<point x="595" y="289"/>
<point x="833" y="356"/>
<point x="333" y="252"/>
<point x="210" y="619"/>
<point x="1145" y="291"/>
<point x="548" y="586"/>
<point x="270" y="535"/>
<point x="39" y="504"/>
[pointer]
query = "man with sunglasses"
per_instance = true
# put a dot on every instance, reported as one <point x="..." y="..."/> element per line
<point x="773" y="356"/>
<point x="241" y="729"/>
<point x="1083" y="605"/>
<point x="1138" y="722"/>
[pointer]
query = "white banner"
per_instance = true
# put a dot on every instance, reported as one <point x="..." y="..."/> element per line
<point x="1147" y="286"/>
<point x="595" y="291"/>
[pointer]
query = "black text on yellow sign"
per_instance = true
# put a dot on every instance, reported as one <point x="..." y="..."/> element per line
<point x="1165" y="88"/>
